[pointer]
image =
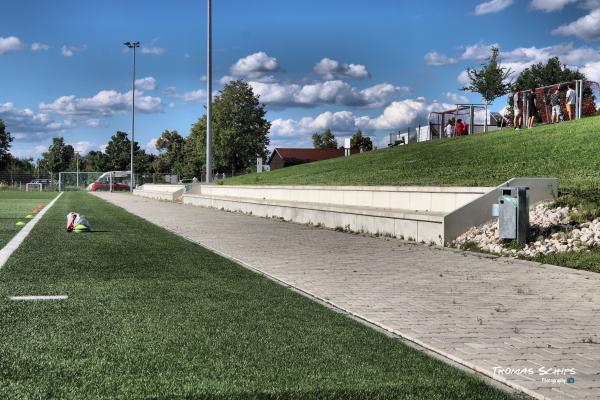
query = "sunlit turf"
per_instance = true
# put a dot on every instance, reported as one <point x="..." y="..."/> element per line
<point x="151" y="315"/>
<point x="569" y="151"/>
<point x="14" y="206"/>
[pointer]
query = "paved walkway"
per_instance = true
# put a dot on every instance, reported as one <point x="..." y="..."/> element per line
<point x="484" y="313"/>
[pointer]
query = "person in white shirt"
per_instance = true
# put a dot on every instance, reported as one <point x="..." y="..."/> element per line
<point x="449" y="129"/>
<point x="570" y="102"/>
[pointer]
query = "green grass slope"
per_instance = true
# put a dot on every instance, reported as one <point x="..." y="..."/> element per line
<point x="151" y="315"/>
<point x="569" y="151"/>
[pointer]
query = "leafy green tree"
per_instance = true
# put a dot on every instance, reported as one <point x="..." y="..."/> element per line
<point x="550" y="73"/>
<point x="239" y="133"/>
<point x="118" y="153"/>
<point x="325" y="140"/>
<point x="358" y="141"/>
<point x="5" y="143"/>
<point x="171" y="159"/>
<point x="194" y="150"/>
<point x="240" y="128"/>
<point x="492" y="80"/>
<point x="58" y="157"/>
<point x="96" y="161"/>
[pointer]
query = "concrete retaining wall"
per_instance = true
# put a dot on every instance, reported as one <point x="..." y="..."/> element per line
<point x="173" y="193"/>
<point x="421" y="213"/>
<point x="416" y="198"/>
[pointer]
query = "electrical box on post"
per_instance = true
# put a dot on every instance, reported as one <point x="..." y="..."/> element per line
<point x="513" y="213"/>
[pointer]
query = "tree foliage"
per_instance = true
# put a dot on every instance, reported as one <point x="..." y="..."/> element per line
<point x="239" y="133"/>
<point x="5" y="143"/>
<point x="171" y="158"/>
<point x="58" y="157"/>
<point x="491" y="80"/>
<point x="358" y="141"/>
<point x="325" y="140"/>
<point x="541" y="74"/>
<point x="118" y="154"/>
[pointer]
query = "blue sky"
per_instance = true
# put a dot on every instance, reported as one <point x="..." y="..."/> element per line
<point x="378" y="65"/>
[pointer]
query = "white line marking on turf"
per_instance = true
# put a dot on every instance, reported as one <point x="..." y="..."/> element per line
<point x="16" y="241"/>
<point x="34" y="298"/>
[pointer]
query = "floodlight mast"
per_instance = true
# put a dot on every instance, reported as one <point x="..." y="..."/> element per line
<point x="132" y="45"/>
<point x="209" y="95"/>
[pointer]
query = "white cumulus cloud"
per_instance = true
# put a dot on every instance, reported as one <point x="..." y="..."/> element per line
<point x="35" y="46"/>
<point x="329" y="92"/>
<point x="147" y="83"/>
<point x="28" y="125"/>
<point x="586" y="27"/>
<point x="398" y="115"/>
<point x="10" y="44"/>
<point x="255" y="67"/>
<point x="550" y="5"/>
<point x="155" y="51"/>
<point x="329" y="69"/>
<point x="456" y="98"/>
<point x="84" y="147"/>
<point x="492" y="6"/>
<point x="437" y="59"/>
<point x="194" y="95"/>
<point x="105" y="102"/>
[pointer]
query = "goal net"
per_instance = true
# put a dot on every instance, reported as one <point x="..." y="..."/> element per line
<point x="33" y="186"/>
<point x="585" y="96"/>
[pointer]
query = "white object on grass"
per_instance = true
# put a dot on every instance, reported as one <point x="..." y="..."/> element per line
<point x="38" y="298"/>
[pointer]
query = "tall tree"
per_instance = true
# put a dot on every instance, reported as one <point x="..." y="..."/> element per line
<point x="171" y="145"/>
<point x="325" y="140"/>
<point x="96" y="161"/>
<point x="240" y="128"/>
<point x="5" y="143"/>
<point x="239" y="132"/>
<point x="118" y="154"/>
<point x="194" y="150"/>
<point x="358" y="141"/>
<point x="491" y="80"/>
<point x="541" y="74"/>
<point x="58" y="157"/>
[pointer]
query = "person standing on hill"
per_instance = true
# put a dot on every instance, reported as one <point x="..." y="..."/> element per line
<point x="517" y="110"/>
<point x="531" y="109"/>
<point x="449" y="129"/>
<point x="459" y="127"/>
<point x="555" y="103"/>
<point x="570" y="102"/>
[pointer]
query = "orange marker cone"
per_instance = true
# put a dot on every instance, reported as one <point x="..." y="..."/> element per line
<point x="42" y="205"/>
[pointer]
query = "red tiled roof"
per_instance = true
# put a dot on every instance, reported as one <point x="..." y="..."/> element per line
<point x="305" y="154"/>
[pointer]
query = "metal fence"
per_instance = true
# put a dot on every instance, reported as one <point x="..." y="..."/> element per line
<point x="20" y="179"/>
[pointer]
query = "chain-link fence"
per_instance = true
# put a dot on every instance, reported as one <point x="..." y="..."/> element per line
<point x="19" y="180"/>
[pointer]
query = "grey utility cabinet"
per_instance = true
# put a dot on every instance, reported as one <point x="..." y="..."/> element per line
<point x="513" y="213"/>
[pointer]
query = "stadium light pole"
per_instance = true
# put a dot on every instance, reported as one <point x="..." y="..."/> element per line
<point x="209" y="95"/>
<point x="77" y="161"/>
<point x="132" y="45"/>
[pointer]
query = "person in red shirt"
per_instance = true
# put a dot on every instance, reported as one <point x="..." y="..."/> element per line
<point x="459" y="128"/>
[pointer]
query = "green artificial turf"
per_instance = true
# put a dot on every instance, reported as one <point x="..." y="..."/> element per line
<point x="14" y="206"/>
<point x="151" y="315"/>
<point x="569" y="151"/>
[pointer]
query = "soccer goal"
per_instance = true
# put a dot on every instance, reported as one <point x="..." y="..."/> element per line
<point x="30" y="186"/>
